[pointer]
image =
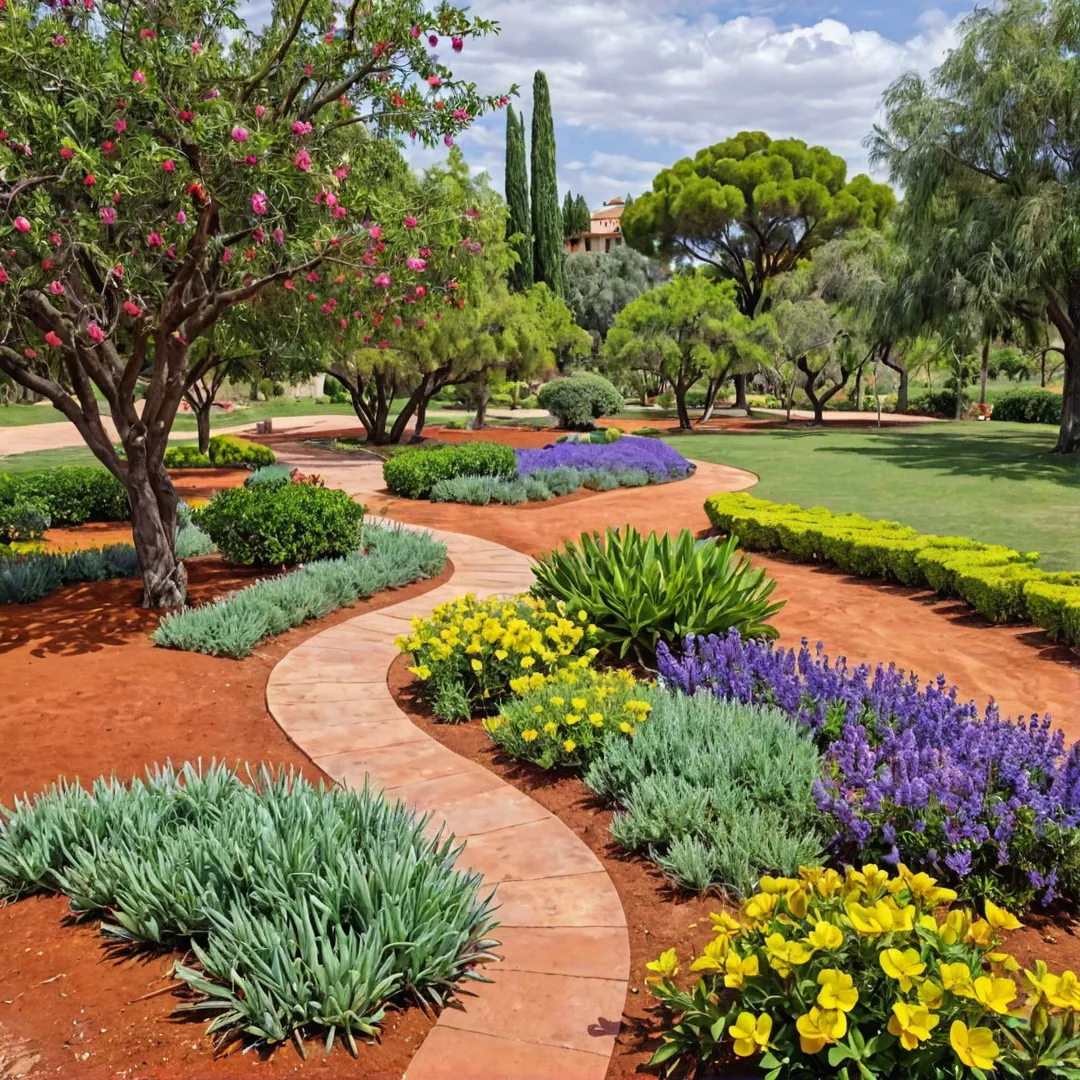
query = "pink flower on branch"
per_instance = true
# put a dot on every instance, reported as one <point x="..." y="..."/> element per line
<point x="95" y="333"/>
<point x="108" y="215"/>
<point x="259" y="203"/>
<point x="410" y="223"/>
<point x="138" y="77"/>
<point x="52" y="339"/>
<point x="168" y="165"/>
<point x="56" y="288"/>
<point x="239" y="134"/>
<point x="415" y="264"/>
<point x="22" y="225"/>
<point x="132" y="309"/>
<point x="382" y="281"/>
<point x="302" y="161"/>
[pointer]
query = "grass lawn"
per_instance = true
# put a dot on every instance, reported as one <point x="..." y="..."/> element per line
<point x="24" y="415"/>
<point x="47" y="459"/>
<point x="995" y="482"/>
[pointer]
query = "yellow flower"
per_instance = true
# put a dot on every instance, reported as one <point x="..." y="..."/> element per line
<point x="666" y="966"/>
<point x="982" y="934"/>
<point x="1063" y="990"/>
<point x="422" y="672"/>
<point x="572" y="718"/>
<point x="738" y="968"/>
<point x="994" y="994"/>
<point x="626" y="729"/>
<point x="1003" y="961"/>
<point x="911" y="1024"/>
<point x="999" y="918"/>
<point x="825" y="937"/>
<point x="530" y="734"/>
<point x="550" y="728"/>
<point x="827" y="883"/>
<point x="820" y="1028"/>
<point x="528" y="662"/>
<point x="501" y="654"/>
<point x="712" y="956"/>
<point x="558" y="701"/>
<point x="882" y="918"/>
<point x="975" y="1047"/>
<point x="931" y="994"/>
<point x="837" y="990"/>
<point x="905" y="967"/>
<point x="578" y="704"/>
<point x="955" y="927"/>
<point x="870" y="879"/>
<point x="761" y="907"/>
<point x="751" y="1036"/>
<point x="956" y="978"/>
<point x="569" y="746"/>
<point x="596" y="719"/>
<point x="538" y="709"/>
<point x="477" y="665"/>
<point x="924" y="889"/>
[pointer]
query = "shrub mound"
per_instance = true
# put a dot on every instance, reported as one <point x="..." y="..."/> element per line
<point x="1029" y="407"/>
<point x="640" y="590"/>
<point x="275" y="525"/>
<point x="578" y="401"/>
<point x="414" y="474"/>
<point x="186" y="456"/>
<point x="658" y="460"/>
<point x="1000" y="583"/>
<point x="66" y="495"/>
<point x="911" y="773"/>
<point x="229" y="451"/>
<point x="302" y="907"/>
<point x="235" y="624"/>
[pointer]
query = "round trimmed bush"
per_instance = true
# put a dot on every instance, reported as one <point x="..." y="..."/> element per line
<point x="578" y="401"/>
<point x="274" y="525"/>
<point x="1029" y="407"/>
<point x="228" y="450"/>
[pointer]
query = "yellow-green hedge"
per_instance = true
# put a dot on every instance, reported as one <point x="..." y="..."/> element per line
<point x="1000" y="583"/>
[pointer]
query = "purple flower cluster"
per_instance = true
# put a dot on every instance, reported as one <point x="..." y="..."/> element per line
<point x="659" y="460"/>
<point x="911" y="773"/>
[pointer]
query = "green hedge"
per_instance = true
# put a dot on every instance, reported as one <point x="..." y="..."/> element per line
<point x="413" y="475"/>
<point x="1000" y="583"/>
<point x="68" y="495"/>
<point x="228" y="451"/>
<point x="186" y="456"/>
<point x="1029" y="407"/>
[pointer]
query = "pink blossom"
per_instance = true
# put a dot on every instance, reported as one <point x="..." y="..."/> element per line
<point x="22" y="224"/>
<point x="448" y="139"/>
<point x="95" y="333"/>
<point x="457" y="43"/>
<point x="279" y="236"/>
<point x="52" y="339"/>
<point x="503" y="101"/>
<point x="251" y="159"/>
<point x="312" y="277"/>
<point x="415" y="264"/>
<point x="342" y="323"/>
<point x="212" y="95"/>
<point x="59" y="41"/>
<point x="30" y="354"/>
<point x="382" y="281"/>
<point x="89" y="180"/>
<point x="397" y="321"/>
<point x="132" y="309"/>
<point x="302" y="161"/>
<point x="186" y="116"/>
<point x="4" y="279"/>
<point x="290" y="284"/>
<point x="258" y="202"/>
<point x="54" y="239"/>
<point x="301" y="127"/>
<point x="375" y="232"/>
<point x="308" y="69"/>
<point x="116" y="198"/>
<point x="67" y="153"/>
<point x="139" y="77"/>
<point x="107" y="145"/>
<point x="341" y="172"/>
<point x="46" y="264"/>
<point x="411" y="223"/>
<point x="196" y="47"/>
<point x="154" y="240"/>
<point x="226" y="256"/>
<point x="330" y="198"/>
<point x="260" y="111"/>
<point x="259" y="236"/>
<point x="328" y="38"/>
<point x="367" y="339"/>
<point x="147" y="35"/>
<point x="420" y="324"/>
<point x="434" y="80"/>
<point x="415" y="31"/>
<point x="181" y="217"/>
<point x="120" y="126"/>
<point x="461" y="114"/>
<point x="433" y="40"/>
<point x="239" y="134"/>
<point x="56" y="288"/>
<point x="421" y="291"/>
<point x="384" y="344"/>
<point x="168" y="165"/>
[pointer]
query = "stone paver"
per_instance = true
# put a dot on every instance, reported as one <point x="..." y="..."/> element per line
<point x="554" y="1004"/>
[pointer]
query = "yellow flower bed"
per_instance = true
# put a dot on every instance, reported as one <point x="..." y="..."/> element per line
<point x="469" y="652"/>
<point x="565" y="718"/>
<point x="867" y="975"/>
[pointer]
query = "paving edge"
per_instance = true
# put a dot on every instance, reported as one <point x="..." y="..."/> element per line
<point x="554" y="1005"/>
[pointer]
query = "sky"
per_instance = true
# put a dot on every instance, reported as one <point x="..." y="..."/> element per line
<point x="638" y="84"/>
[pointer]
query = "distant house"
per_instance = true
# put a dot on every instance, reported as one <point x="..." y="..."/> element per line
<point x="605" y="230"/>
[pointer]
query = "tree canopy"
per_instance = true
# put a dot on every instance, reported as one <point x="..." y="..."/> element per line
<point x="599" y="286"/>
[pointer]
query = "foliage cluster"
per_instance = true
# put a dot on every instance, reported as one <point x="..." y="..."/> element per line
<point x="912" y="773"/>
<point x="660" y="461"/>
<point x="641" y="590"/>
<point x="866" y="975"/>
<point x="1000" y="583"/>
<point x="1029" y="407"/>
<point x="185" y="456"/>
<point x="414" y="474"/>
<point x="578" y="401"/>
<point x="233" y="625"/>
<point x="230" y="451"/>
<point x="66" y="495"/>
<point x="303" y="907"/>
<point x="29" y="577"/>
<point x="468" y="652"/>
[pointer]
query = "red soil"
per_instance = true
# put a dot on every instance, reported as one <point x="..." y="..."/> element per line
<point x="85" y="693"/>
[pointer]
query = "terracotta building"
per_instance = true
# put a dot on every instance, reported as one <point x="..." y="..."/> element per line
<point x="605" y="230"/>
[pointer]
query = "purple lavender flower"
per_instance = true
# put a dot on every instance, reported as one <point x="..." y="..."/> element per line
<point x="657" y="458"/>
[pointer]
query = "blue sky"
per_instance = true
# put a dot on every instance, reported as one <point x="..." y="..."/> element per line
<point x="637" y="84"/>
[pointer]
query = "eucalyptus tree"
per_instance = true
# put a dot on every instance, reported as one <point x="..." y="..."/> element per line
<point x="599" y="286"/>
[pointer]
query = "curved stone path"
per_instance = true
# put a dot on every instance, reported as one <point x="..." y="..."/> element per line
<point x="554" y="1005"/>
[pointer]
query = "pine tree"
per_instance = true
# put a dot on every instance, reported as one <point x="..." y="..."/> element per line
<point x="547" y="223"/>
<point x="517" y="201"/>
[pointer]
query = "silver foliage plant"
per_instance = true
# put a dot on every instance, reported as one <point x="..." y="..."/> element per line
<point x="305" y="908"/>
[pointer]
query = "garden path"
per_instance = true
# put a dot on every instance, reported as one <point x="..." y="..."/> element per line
<point x="867" y="622"/>
<point x="554" y="1006"/>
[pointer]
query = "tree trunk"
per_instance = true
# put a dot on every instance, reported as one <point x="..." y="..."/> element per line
<point x="202" y="421"/>
<point x="740" y="392"/>
<point x="153" y="528"/>
<point x="858" y="390"/>
<point x="901" y="369"/>
<point x="680" y="406"/>
<point x="710" y="400"/>
<point x="482" y="395"/>
<point x="1069" y="435"/>
<point x="984" y="373"/>
<point x="421" y="419"/>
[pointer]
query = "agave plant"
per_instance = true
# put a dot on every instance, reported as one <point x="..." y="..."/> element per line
<point x="642" y="590"/>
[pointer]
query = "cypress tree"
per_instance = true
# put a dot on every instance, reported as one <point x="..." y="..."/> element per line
<point x="569" y="216"/>
<point x="584" y="216"/>
<point x="547" y="224"/>
<point x="517" y="201"/>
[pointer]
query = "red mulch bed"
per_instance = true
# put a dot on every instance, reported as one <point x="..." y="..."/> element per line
<point x="86" y="693"/>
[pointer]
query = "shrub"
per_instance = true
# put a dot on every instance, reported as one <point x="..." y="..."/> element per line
<point x="70" y="494"/>
<point x="536" y="490"/>
<point x="301" y="905"/>
<point x="865" y="975"/>
<point x="560" y="480"/>
<point x="567" y="718"/>
<point x="24" y="519"/>
<point x="25" y="578"/>
<point x="413" y="475"/>
<point x="913" y="774"/>
<point x="578" y="401"/>
<point x="281" y="525"/>
<point x="479" y="491"/>
<point x="468" y="651"/>
<point x="716" y="793"/>
<point x="660" y="461"/>
<point x="269" y="474"/>
<point x="186" y="456"/>
<point x="192" y="542"/>
<point x="228" y="451"/>
<point x="1029" y="407"/>
<point x="233" y="625"/>
<point x="639" y="590"/>
<point x="935" y="403"/>
<point x="335" y="392"/>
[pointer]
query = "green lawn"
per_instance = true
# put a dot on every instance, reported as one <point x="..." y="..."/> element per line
<point x="47" y="459"/>
<point x="24" y="415"/>
<point x="995" y="482"/>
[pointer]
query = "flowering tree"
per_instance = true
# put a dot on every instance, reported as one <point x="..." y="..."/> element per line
<point x="159" y="165"/>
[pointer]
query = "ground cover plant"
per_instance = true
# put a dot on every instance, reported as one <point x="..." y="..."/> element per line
<point x="275" y="525"/>
<point x="25" y="578"/>
<point x="233" y="625"/>
<point x="912" y="774"/>
<point x="1000" y="583"/>
<point x="468" y="653"/>
<point x="640" y="590"/>
<point x="304" y="908"/>
<point x="865" y="975"/>
<point x="578" y="401"/>
<point x="660" y="461"/>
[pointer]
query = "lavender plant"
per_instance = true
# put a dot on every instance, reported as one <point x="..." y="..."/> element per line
<point x="660" y="461"/>
<point x="911" y="773"/>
